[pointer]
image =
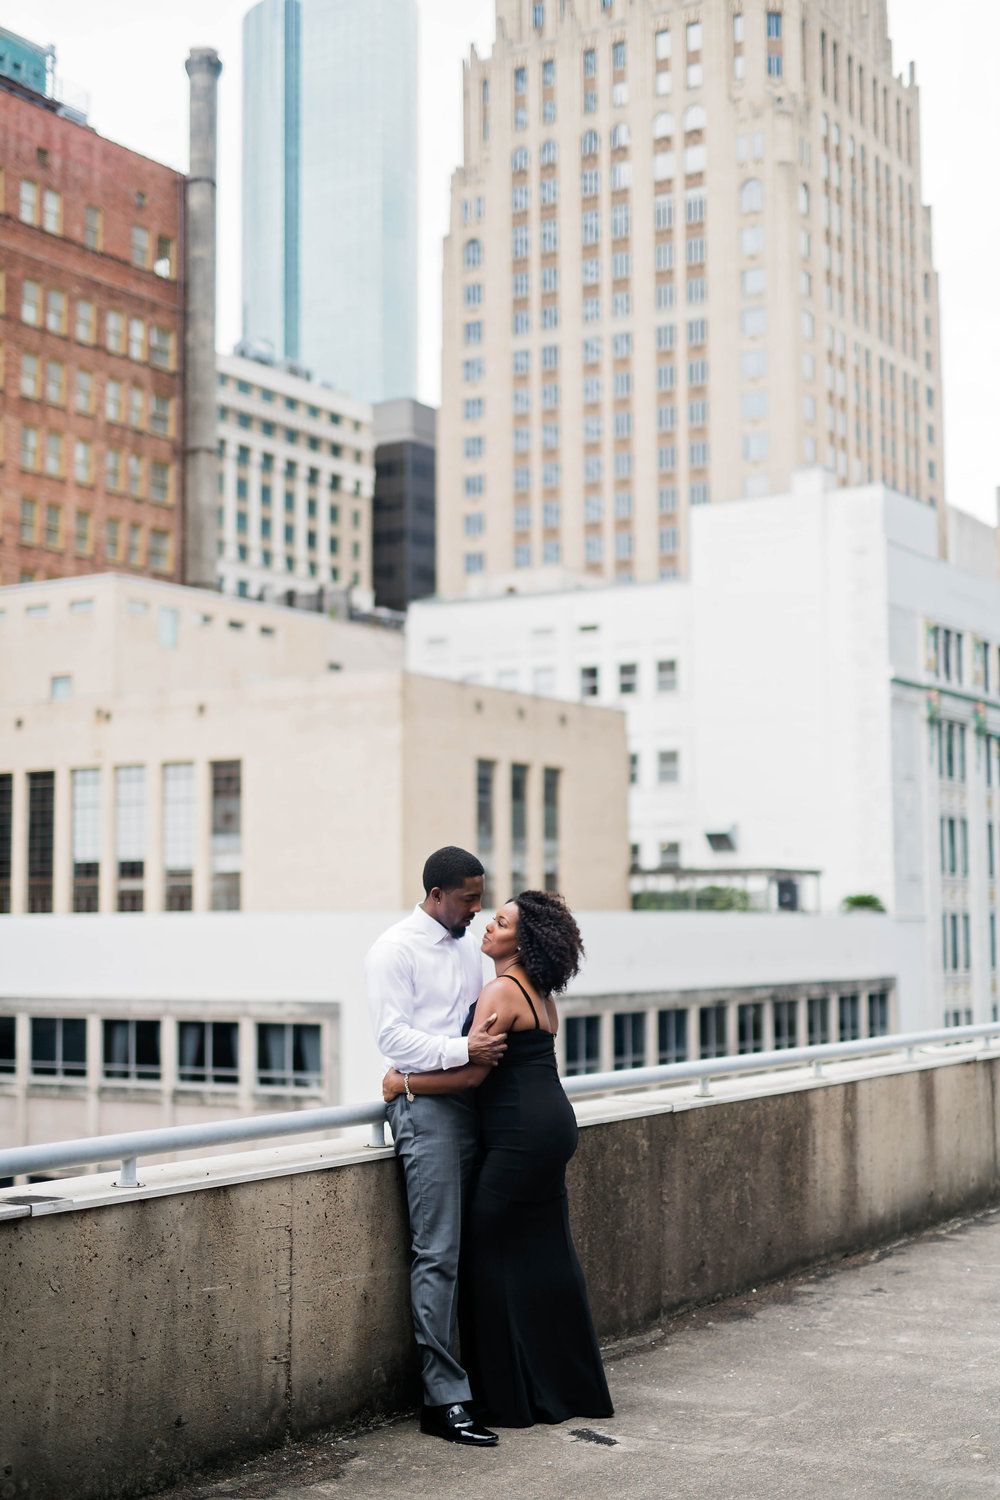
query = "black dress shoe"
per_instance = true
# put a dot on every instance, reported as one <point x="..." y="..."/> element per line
<point x="455" y="1425"/>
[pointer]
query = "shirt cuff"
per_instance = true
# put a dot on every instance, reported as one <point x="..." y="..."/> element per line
<point x="456" y="1052"/>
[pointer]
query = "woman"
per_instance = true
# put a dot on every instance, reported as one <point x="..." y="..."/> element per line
<point x="528" y="1340"/>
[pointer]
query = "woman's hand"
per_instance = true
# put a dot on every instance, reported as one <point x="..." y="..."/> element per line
<point x="392" y="1086"/>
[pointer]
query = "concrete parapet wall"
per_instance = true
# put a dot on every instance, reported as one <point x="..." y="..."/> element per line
<point x="147" y="1336"/>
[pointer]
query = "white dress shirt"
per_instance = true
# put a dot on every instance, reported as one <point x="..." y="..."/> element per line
<point x="421" y="982"/>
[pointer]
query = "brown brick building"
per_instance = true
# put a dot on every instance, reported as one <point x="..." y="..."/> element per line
<point x="91" y="336"/>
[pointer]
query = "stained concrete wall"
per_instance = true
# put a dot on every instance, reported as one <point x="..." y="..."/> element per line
<point x="143" y="1338"/>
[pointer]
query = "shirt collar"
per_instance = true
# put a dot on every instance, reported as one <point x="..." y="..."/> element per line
<point x="431" y="928"/>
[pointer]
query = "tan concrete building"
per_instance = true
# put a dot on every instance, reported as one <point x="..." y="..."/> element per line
<point x="164" y="749"/>
<point x="688" y="253"/>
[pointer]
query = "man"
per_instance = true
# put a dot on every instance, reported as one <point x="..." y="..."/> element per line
<point x="422" y="976"/>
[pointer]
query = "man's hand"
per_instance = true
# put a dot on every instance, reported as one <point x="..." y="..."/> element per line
<point x="392" y="1086"/>
<point x="484" y="1047"/>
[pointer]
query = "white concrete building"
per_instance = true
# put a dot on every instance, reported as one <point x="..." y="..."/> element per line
<point x="297" y="472"/>
<point x="824" y="694"/>
<point x="115" y="1023"/>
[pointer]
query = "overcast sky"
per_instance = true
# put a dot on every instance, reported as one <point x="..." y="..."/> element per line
<point x="128" y="56"/>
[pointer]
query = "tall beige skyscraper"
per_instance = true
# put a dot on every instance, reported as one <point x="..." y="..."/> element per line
<point x="687" y="255"/>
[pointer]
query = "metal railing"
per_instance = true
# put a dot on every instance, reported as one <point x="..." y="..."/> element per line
<point x="127" y="1148"/>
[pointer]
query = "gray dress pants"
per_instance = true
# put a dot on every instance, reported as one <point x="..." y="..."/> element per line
<point x="435" y="1139"/>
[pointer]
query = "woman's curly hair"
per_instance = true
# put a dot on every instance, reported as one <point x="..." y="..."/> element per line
<point x="549" y="940"/>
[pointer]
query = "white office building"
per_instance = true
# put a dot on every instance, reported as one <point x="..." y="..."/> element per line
<point x="823" y="695"/>
<point x="297" y="473"/>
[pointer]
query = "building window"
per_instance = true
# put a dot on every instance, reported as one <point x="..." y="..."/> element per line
<point x="485" y="774"/>
<point x="86" y="836"/>
<point x="130" y="836"/>
<point x="589" y="682"/>
<point x="818" y="1020"/>
<point x="161" y="348"/>
<point x="667" y="767"/>
<point x="29" y="523"/>
<point x="518" y="827"/>
<point x="630" y="1040"/>
<point x="159" y="483"/>
<point x="163" y="265"/>
<point x="8" y="1048"/>
<point x="30" y="371"/>
<point x="134" y="469"/>
<point x="53" y="462"/>
<point x="135" y="545"/>
<point x="849" y="1011"/>
<point x="227" y="836"/>
<point x="786" y="1024"/>
<point x="27" y="207"/>
<point x="878" y="1013"/>
<point x="628" y="678"/>
<point x="750" y="1027"/>
<point x="178" y="836"/>
<point x="288" y="1056"/>
<point x="666" y="676"/>
<point x="132" y="1051"/>
<point x="550" y="828"/>
<point x="751" y="196"/>
<point x="93" y="229"/>
<point x="140" y="246"/>
<point x="583" y="1045"/>
<point x="712" y="1030"/>
<point x="58" y="1047"/>
<point x="208" y="1052"/>
<point x="6" y="839"/>
<point x="114" y="333"/>
<point x="83" y="533"/>
<point x="84" y="392"/>
<point x="41" y="816"/>
<point x="671" y="1027"/>
<point x="31" y="303"/>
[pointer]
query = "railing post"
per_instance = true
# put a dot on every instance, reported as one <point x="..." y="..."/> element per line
<point x="703" y="1086"/>
<point x="127" y="1176"/>
<point x="378" y="1134"/>
<point x="817" y="1067"/>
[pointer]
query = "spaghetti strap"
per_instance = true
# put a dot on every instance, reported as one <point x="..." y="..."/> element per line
<point x="527" y="997"/>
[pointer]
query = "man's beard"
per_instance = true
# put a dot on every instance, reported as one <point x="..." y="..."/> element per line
<point x="459" y="931"/>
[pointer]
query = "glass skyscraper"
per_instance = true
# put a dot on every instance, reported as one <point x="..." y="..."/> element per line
<point x="330" y="189"/>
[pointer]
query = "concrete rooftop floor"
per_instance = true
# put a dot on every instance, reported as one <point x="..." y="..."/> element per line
<point x="878" y="1376"/>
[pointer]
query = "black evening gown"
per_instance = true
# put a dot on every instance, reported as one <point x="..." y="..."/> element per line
<point x="528" y="1340"/>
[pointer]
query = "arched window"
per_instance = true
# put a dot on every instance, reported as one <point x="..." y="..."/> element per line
<point x="549" y="153"/>
<point x="519" y="160"/>
<point x="590" y="144"/>
<point x="620" y="135"/>
<point x="752" y="195"/>
<point x="695" y="117"/>
<point x="663" y="126"/>
<point x="473" y="254"/>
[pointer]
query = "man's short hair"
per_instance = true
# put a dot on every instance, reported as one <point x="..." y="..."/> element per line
<point x="450" y="867"/>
